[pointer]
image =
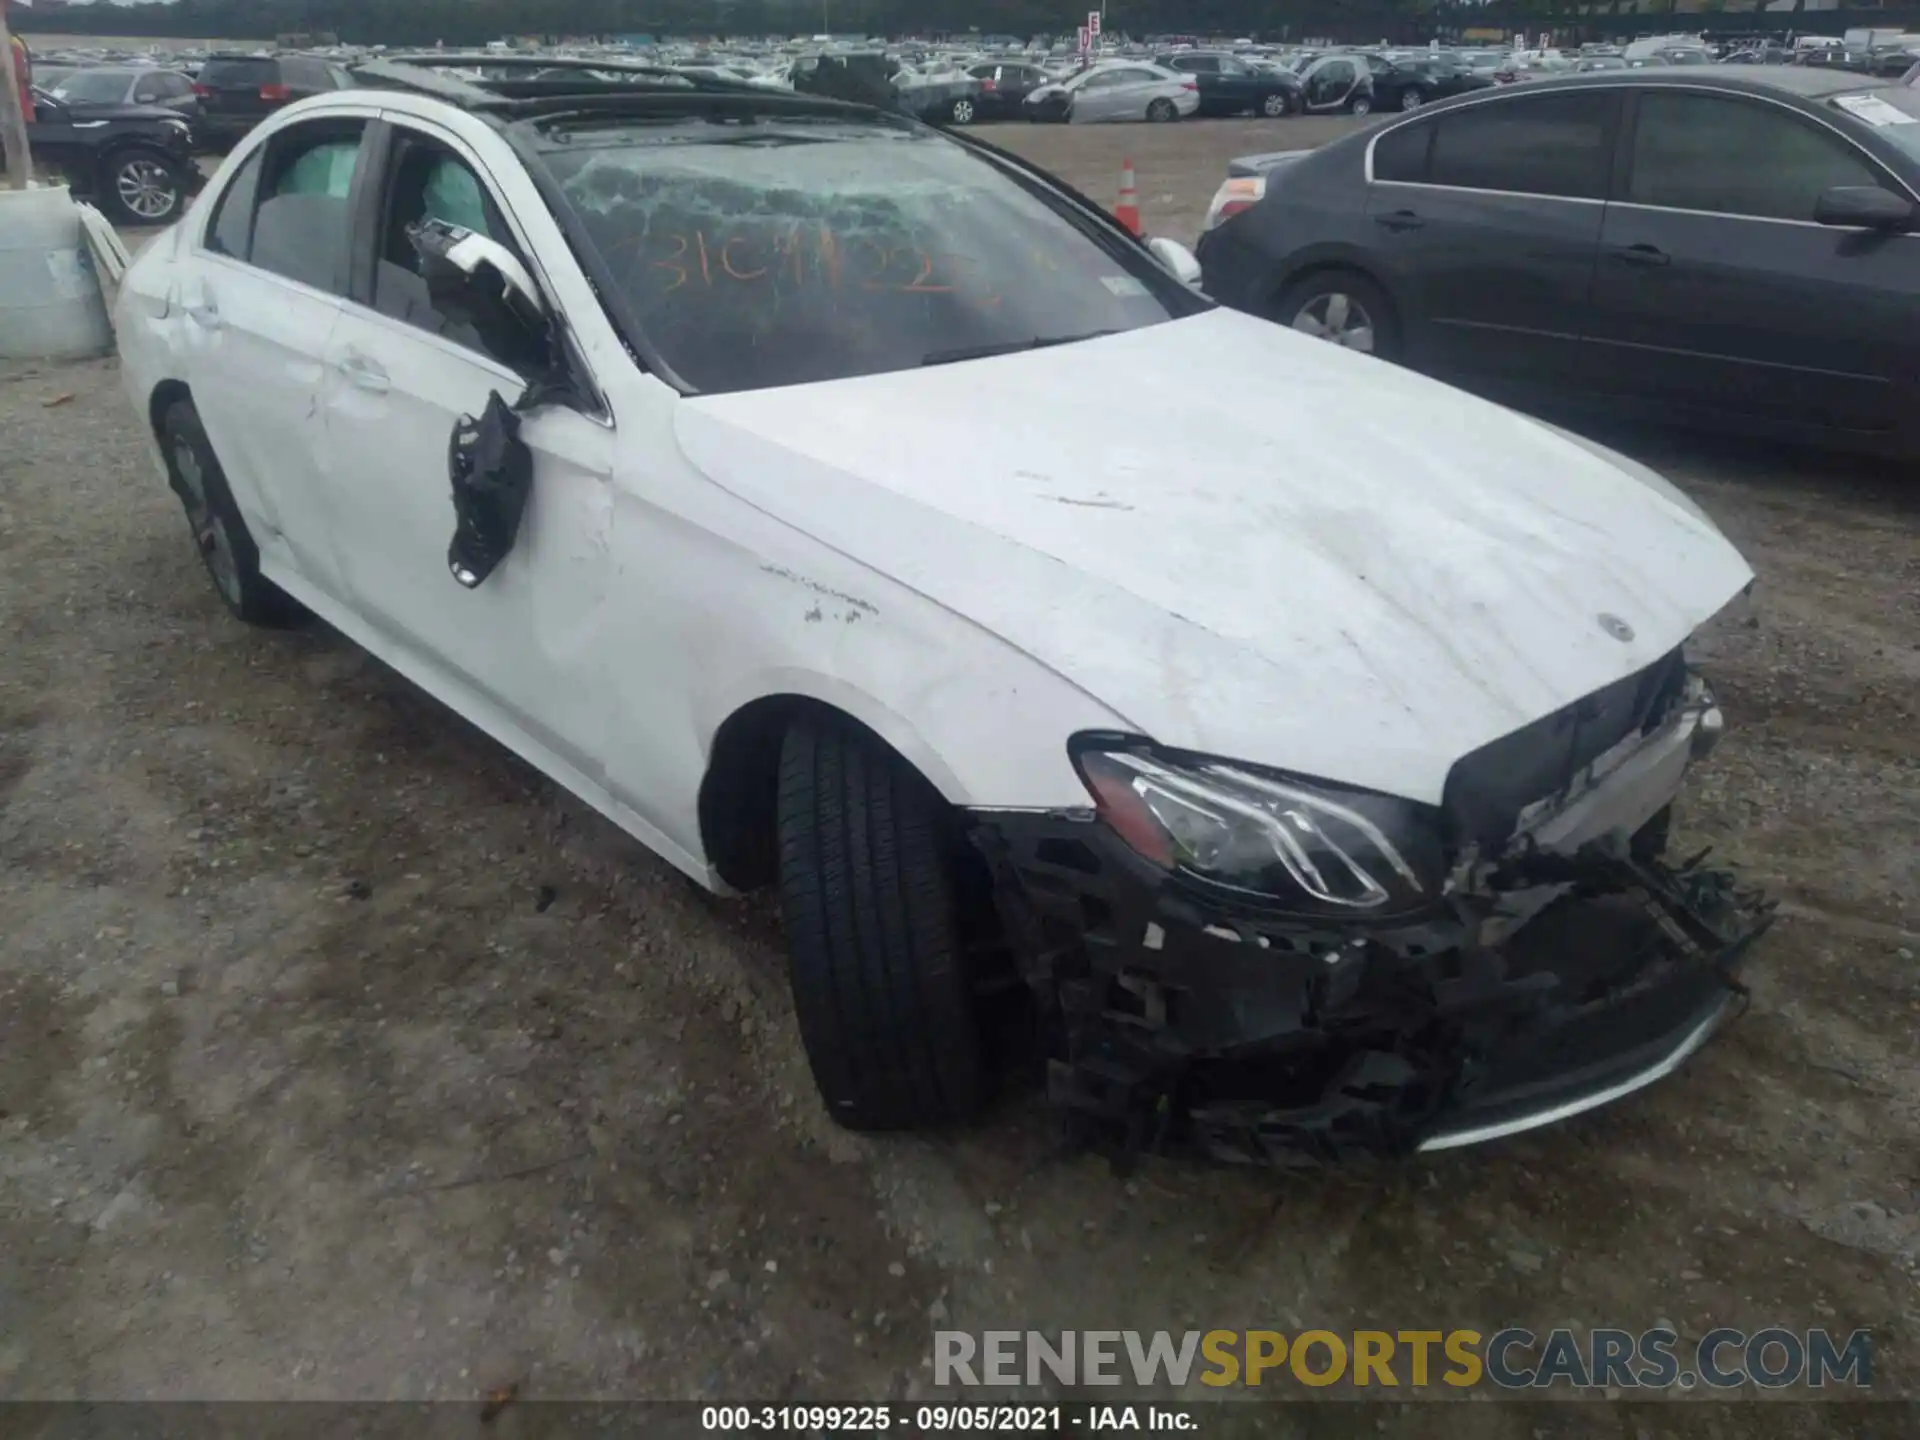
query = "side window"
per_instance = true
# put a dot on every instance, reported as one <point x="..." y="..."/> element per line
<point x="231" y="232"/>
<point x="178" y="87"/>
<point x="1401" y="153"/>
<point x="149" y="91"/>
<point x="1541" y="145"/>
<point x="304" y="224"/>
<point x="1734" y="157"/>
<point x="428" y="181"/>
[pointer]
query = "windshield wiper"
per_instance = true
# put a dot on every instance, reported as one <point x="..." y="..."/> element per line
<point x="1008" y="347"/>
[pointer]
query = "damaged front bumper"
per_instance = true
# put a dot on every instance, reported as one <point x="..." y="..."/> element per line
<point x="1574" y="970"/>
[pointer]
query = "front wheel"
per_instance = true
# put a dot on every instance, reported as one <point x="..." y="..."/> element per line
<point x="1161" y="111"/>
<point x="1275" y="105"/>
<point x="142" y="187"/>
<point x="962" y="111"/>
<point x="880" y="984"/>
<point x="1412" y="99"/>
<point x="1360" y="105"/>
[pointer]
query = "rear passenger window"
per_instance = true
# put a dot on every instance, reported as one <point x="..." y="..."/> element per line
<point x="304" y="221"/>
<point x="1540" y="145"/>
<point x="1401" y="154"/>
<point x="231" y="232"/>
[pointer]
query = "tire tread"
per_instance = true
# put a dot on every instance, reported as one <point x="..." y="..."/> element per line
<point x="883" y="1001"/>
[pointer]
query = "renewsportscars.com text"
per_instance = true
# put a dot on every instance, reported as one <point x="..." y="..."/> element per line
<point x="1510" y="1359"/>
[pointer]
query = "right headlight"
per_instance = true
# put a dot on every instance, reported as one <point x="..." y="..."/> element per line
<point x="1298" y="844"/>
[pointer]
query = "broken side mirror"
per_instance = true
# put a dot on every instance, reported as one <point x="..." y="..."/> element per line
<point x="456" y="258"/>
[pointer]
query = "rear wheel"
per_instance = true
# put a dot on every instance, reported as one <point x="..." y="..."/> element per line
<point x="880" y="984"/>
<point x="219" y="533"/>
<point x="1275" y="105"/>
<point x="142" y="187"/>
<point x="1343" y="308"/>
<point x="1162" y="110"/>
<point x="1360" y="105"/>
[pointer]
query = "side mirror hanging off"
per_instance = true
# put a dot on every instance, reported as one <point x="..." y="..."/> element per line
<point x="456" y="256"/>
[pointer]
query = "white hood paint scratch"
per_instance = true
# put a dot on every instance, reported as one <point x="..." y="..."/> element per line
<point x="1246" y="541"/>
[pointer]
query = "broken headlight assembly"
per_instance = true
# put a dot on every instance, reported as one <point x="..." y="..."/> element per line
<point x="1279" y="840"/>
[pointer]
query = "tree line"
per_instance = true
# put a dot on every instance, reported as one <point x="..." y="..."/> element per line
<point x="472" y="22"/>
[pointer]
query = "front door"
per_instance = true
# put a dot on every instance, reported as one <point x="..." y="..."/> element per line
<point x="1717" y="290"/>
<point x="259" y="299"/>
<point x="1486" y="225"/>
<point x="402" y="371"/>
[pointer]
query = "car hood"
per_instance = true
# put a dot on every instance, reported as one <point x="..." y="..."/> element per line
<point x="1245" y="541"/>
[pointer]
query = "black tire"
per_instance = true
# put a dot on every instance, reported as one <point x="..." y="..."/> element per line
<point x="1360" y="105"/>
<point x="964" y="111"/>
<point x="219" y="533"/>
<point x="885" y="1005"/>
<point x="134" y="182"/>
<point x="1276" y="105"/>
<point x="1162" y="111"/>
<point x="1368" y="295"/>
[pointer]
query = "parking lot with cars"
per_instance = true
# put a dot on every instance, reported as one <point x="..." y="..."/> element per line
<point x="343" y="1054"/>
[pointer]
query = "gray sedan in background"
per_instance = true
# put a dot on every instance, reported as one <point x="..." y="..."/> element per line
<point x="1122" y="90"/>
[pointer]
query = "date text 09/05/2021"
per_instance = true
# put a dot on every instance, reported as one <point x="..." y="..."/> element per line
<point x="940" y="1418"/>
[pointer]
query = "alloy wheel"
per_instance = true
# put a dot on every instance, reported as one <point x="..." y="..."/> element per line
<point x="1339" y="319"/>
<point x="146" y="188"/>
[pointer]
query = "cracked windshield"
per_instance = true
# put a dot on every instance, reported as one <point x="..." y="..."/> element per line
<point x="780" y="252"/>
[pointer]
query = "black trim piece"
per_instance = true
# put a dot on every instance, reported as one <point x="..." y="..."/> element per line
<point x="366" y="201"/>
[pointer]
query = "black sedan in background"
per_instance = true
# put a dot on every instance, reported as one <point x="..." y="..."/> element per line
<point x="1409" y="84"/>
<point x="1004" y="87"/>
<point x="1733" y="247"/>
<point x="1230" y="86"/>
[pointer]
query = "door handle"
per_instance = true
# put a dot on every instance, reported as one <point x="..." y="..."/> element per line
<point x="363" y="374"/>
<point x="204" y="313"/>
<point x="1642" y="255"/>
<point x="1400" y="220"/>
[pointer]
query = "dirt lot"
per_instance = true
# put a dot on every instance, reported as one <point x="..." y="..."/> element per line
<point x="343" y="1056"/>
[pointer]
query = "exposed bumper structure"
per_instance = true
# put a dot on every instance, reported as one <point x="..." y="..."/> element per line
<point x="1572" y="972"/>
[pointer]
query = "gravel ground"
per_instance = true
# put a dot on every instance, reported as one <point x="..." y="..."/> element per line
<point x="343" y="1056"/>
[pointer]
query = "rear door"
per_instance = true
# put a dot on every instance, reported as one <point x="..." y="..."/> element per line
<point x="1486" y="222"/>
<point x="261" y="293"/>
<point x="1717" y="290"/>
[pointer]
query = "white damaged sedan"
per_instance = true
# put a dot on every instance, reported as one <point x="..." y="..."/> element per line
<point x="846" y="506"/>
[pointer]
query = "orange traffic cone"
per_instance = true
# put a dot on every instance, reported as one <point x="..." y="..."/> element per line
<point x="1127" y="212"/>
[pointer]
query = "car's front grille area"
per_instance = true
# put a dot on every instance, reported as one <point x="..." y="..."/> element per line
<point x="1487" y="790"/>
